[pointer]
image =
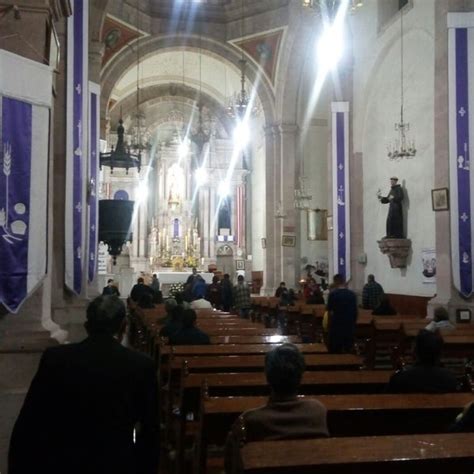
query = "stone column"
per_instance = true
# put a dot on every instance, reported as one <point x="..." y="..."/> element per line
<point x="213" y="223"/>
<point x="269" y="285"/>
<point x="446" y="294"/>
<point x="287" y="180"/>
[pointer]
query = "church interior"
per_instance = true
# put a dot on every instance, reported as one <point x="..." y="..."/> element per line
<point x="278" y="140"/>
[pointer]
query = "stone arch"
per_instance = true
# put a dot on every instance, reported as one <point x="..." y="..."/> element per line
<point x="119" y="65"/>
<point x="158" y="93"/>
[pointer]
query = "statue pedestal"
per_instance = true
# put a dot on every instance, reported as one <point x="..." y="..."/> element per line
<point x="397" y="251"/>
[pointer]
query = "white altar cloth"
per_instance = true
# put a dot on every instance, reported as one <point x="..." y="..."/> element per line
<point x="168" y="278"/>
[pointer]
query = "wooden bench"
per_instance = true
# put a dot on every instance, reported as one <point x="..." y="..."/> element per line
<point x="348" y="415"/>
<point x="433" y="453"/>
<point x="240" y="349"/>
<point x="252" y="363"/>
<point x="255" y="339"/>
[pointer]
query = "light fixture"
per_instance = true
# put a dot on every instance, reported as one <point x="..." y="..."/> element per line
<point x="121" y="157"/>
<point x="139" y="130"/>
<point x="329" y="7"/>
<point x="402" y="146"/>
<point x="223" y="189"/>
<point x="330" y="46"/>
<point x="142" y="192"/>
<point x="200" y="137"/>
<point x="241" y="134"/>
<point x="200" y="176"/>
<point x="239" y="103"/>
<point x="183" y="148"/>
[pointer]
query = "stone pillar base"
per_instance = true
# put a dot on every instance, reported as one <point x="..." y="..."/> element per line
<point x="397" y="251"/>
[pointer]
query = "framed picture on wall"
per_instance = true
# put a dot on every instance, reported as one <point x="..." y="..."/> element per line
<point x="317" y="220"/>
<point x="240" y="264"/>
<point x="288" y="240"/>
<point x="440" y="199"/>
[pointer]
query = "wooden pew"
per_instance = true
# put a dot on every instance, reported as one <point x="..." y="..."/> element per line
<point x="240" y="349"/>
<point x="348" y="415"/>
<point x="255" y="363"/>
<point x="255" y="384"/>
<point x="433" y="453"/>
<point x="254" y="339"/>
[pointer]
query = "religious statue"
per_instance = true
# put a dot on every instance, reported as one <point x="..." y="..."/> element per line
<point x="395" y="211"/>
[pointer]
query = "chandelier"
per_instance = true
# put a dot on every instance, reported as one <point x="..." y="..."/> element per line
<point x="239" y="103"/>
<point x="402" y="146"/>
<point x="121" y="157"/>
<point x="302" y="196"/>
<point x="329" y="7"/>
<point x="200" y="137"/>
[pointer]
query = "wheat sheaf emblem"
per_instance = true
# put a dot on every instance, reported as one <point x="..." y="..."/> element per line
<point x="16" y="230"/>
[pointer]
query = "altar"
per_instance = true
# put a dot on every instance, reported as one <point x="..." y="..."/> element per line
<point x="168" y="278"/>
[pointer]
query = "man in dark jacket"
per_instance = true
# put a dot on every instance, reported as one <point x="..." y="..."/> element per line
<point x="426" y="376"/>
<point x="189" y="334"/>
<point x="92" y="407"/>
<point x="139" y="290"/>
<point x="342" y="308"/>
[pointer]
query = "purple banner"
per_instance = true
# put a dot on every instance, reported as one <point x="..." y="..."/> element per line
<point x="340" y="184"/>
<point x="77" y="150"/>
<point x="15" y="178"/>
<point x="94" y="140"/>
<point x="341" y="193"/>
<point x="78" y="114"/>
<point x="463" y="174"/>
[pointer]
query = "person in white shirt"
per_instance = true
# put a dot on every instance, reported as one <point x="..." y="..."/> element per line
<point x="201" y="303"/>
<point x="440" y="321"/>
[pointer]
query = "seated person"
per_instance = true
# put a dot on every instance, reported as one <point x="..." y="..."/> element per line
<point x="179" y="297"/>
<point x="427" y="375"/>
<point x="158" y="297"/>
<point x="285" y="416"/>
<point x="170" y="305"/>
<point x="464" y="421"/>
<point x="384" y="308"/>
<point x="281" y="289"/>
<point x="440" y="321"/>
<point x="173" y="322"/>
<point x="189" y="334"/>
<point x="199" y="287"/>
<point x="201" y="303"/>
<point x="146" y="301"/>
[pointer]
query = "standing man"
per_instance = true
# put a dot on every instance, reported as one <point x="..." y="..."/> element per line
<point x="226" y="293"/>
<point x="372" y="293"/>
<point x="395" y="210"/>
<point x="342" y="309"/>
<point x="139" y="290"/>
<point x="111" y="289"/>
<point x="92" y="407"/>
<point x="155" y="283"/>
<point x="241" y="296"/>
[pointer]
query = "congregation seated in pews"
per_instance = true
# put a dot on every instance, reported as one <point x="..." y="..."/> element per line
<point x="206" y="388"/>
